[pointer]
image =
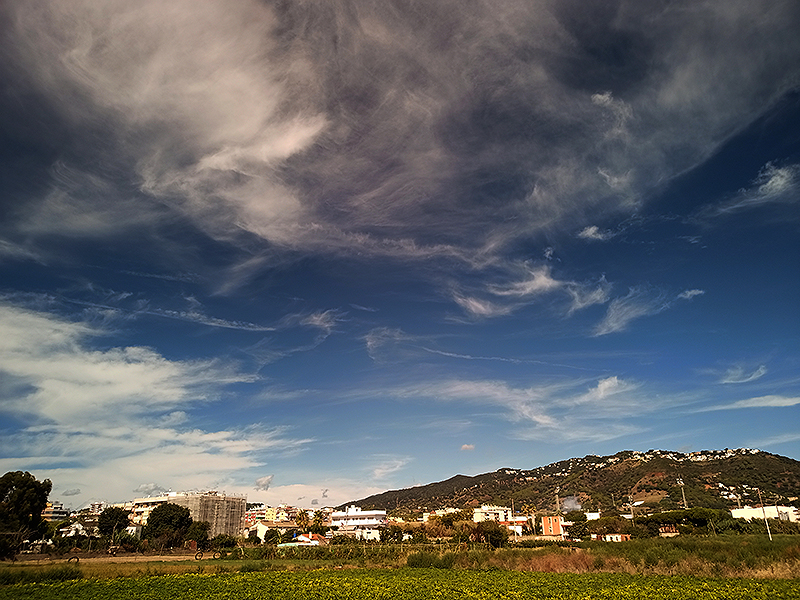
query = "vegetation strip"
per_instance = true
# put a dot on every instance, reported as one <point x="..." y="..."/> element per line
<point x="411" y="584"/>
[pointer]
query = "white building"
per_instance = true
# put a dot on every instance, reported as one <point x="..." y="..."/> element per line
<point x="357" y="523"/>
<point x="487" y="512"/>
<point x="439" y="513"/>
<point x="784" y="513"/>
<point x="354" y="517"/>
<point x="501" y="514"/>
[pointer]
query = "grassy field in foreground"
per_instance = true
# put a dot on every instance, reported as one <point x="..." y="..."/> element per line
<point x="717" y="556"/>
<point x="408" y="584"/>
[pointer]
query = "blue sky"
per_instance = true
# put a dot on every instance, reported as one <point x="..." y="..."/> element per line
<point x="313" y="251"/>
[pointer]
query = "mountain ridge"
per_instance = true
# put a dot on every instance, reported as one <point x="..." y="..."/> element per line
<point x="710" y="478"/>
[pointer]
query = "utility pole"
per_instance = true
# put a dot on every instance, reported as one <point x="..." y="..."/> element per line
<point x="683" y="494"/>
<point x="558" y="503"/>
<point x="764" y="512"/>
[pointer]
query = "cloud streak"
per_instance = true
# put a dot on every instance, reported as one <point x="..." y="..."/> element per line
<point x="769" y="401"/>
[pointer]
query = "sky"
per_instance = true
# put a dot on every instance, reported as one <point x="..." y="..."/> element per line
<point x="312" y="251"/>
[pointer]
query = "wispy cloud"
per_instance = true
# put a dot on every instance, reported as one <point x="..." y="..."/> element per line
<point x="585" y="295"/>
<point x="195" y="316"/>
<point x="114" y="409"/>
<point x="773" y="184"/>
<point x="524" y="284"/>
<point x="236" y="118"/>
<point x="738" y="374"/>
<point x="569" y="409"/>
<point x="593" y="232"/>
<point x="480" y="308"/>
<point x="770" y="401"/>
<point x="641" y="301"/>
<point x="532" y="281"/>
<point x="388" y="466"/>
<point x="10" y="250"/>
<point x="689" y="294"/>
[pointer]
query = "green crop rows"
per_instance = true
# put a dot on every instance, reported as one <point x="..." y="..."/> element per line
<point x="410" y="584"/>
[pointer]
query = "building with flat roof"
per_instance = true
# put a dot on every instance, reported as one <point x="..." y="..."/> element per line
<point x="784" y="513"/>
<point x="54" y="511"/>
<point x="354" y="517"/>
<point x="224" y="513"/>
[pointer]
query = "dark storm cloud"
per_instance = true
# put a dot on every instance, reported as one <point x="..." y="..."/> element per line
<point x="413" y="129"/>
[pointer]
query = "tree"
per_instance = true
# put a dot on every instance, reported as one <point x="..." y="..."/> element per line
<point x="22" y="500"/>
<point x="198" y="531"/>
<point x="579" y="528"/>
<point x="302" y="520"/>
<point x="113" y="521"/>
<point x="492" y="533"/>
<point x="168" y="524"/>
<point x="272" y="537"/>
<point x="318" y="522"/>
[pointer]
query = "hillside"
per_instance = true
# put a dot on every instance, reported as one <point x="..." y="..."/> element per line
<point x="712" y="479"/>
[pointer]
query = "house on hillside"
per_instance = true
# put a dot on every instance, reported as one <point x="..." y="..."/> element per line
<point x="783" y="513"/>
<point x="502" y="515"/>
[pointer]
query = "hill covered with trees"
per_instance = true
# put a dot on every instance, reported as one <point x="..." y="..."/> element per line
<point x="719" y="479"/>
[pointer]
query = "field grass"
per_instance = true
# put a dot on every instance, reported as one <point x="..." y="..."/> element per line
<point x="408" y="584"/>
<point x="744" y="557"/>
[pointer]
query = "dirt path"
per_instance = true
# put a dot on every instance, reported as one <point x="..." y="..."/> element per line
<point x="44" y="559"/>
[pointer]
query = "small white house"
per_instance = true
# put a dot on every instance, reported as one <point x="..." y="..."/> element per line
<point x="784" y="513"/>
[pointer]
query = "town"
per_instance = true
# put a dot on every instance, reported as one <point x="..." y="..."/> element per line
<point x="232" y="518"/>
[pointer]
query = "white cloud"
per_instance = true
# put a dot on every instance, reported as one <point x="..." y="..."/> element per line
<point x="585" y="295"/>
<point x="606" y="388"/>
<point x="769" y="401"/>
<point x="640" y="302"/>
<point x="738" y="374"/>
<point x="467" y="447"/>
<point x="532" y="282"/>
<point x="227" y="122"/>
<point x="388" y="466"/>
<point x="263" y="483"/>
<point x="325" y="320"/>
<point x="479" y="308"/>
<point x="772" y="185"/>
<point x="119" y="413"/>
<point x="196" y="316"/>
<point x="689" y="294"/>
<point x="593" y="232"/>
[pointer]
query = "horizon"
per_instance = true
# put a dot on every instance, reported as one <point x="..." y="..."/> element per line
<point x="311" y="253"/>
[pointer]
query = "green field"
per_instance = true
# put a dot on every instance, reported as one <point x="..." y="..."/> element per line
<point x="410" y="584"/>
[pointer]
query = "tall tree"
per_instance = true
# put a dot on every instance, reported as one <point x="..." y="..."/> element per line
<point x="318" y="522"/>
<point x="302" y="520"/>
<point x="113" y="521"/>
<point x="198" y="531"/>
<point x="22" y="500"/>
<point x="168" y="524"/>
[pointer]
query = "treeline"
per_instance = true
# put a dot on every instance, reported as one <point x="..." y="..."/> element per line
<point x="695" y="521"/>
